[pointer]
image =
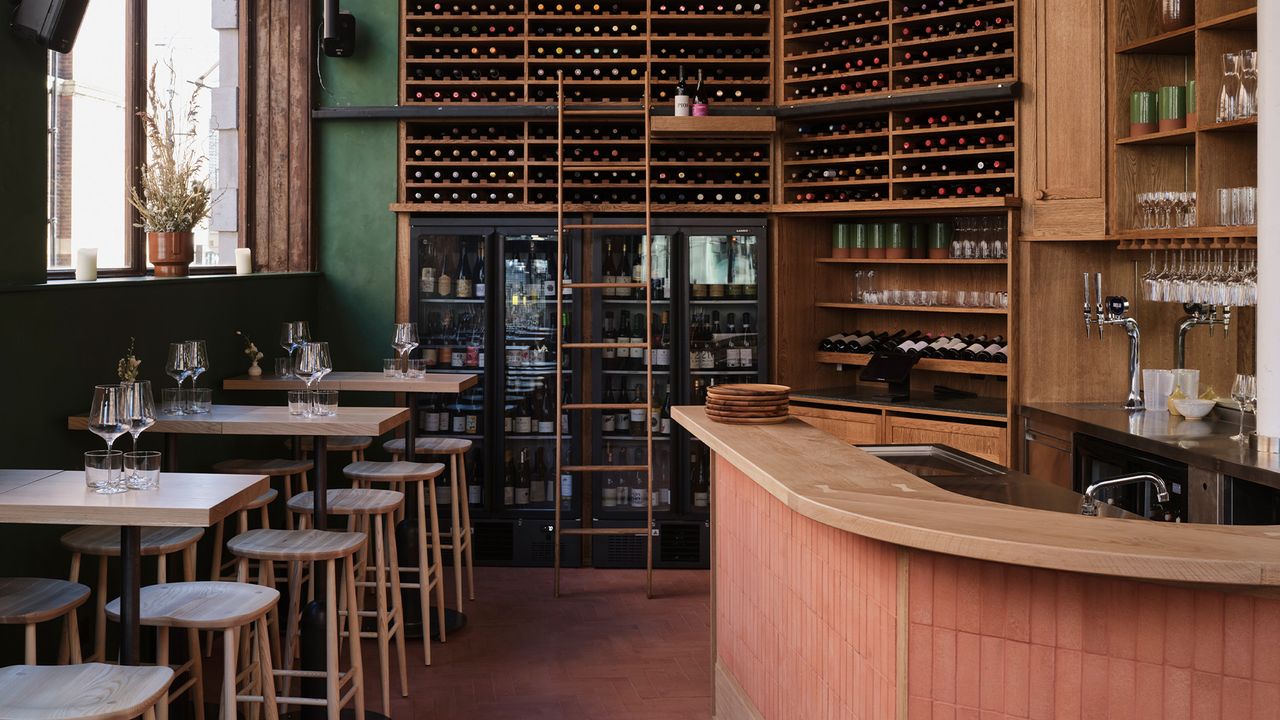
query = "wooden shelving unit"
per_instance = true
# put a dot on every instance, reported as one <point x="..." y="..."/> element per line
<point x="1203" y="157"/>
<point x="927" y="364"/>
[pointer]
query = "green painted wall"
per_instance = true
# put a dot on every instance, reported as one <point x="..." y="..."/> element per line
<point x="22" y="142"/>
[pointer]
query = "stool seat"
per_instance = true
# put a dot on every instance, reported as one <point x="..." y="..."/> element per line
<point x="34" y="600"/>
<point x="338" y="443"/>
<point x="201" y="605"/>
<point x="350" y="502"/>
<point x="295" y="544"/>
<point x="274" y="467"/>
<point x="399" y="471"/>
<point x="262" y="500"/>
<point x="104" y="540"/>
<point x="92" y="691"/>
<point x="436" y="446"/>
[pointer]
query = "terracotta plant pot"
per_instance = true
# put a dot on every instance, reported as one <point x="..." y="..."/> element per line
<point x="171" y="252"/>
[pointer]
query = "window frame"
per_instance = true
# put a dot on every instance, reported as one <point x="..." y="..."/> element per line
<point x="135" y="154"/>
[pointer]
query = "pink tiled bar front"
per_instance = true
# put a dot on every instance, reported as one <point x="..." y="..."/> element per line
<point x="806" y="624"/>
<point x="806" y="615"/>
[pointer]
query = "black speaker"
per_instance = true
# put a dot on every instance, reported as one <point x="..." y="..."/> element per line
<point x="342" y="41"/>
<point x="50" y="23"/>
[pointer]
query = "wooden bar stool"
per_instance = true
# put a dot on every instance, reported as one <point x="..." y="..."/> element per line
<point x="29" y="601"/>
<point x="429" y="572"/>
<point x="373" y="513"/>
<point x="286" y="469"/>
<point x="459" y="535"/>
<point x="354" y="444"/>
<point x="297" y="547"/>
<point x="210" y="606"/>
<point x="103" y="541"/>
<point x="226" y="569"/>
<point x="92" y="691"/>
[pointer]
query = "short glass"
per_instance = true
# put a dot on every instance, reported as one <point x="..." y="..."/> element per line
<point x="300" y="402"/>
<point x="199" y="400"/>
<point x="102" y="471"/>
<point x="391" y="368"/>
<point x="142" y="469"/>
<point x="171" y="401"/>
<point x="283" y="371"/>
<point x="324" y="402"/>
<point x="417" y="369"/>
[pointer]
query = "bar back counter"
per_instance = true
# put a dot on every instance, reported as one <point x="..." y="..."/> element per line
<point x="844" y="586"/>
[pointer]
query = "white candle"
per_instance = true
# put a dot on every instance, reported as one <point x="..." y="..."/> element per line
<point x="87" y="264"/>
<point x="244" y="261"/>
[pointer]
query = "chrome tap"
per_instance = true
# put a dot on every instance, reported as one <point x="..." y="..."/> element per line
<point x="1090" y="504"/>
<point x="1112" y="311"/>
<point x="1198" y="315"/>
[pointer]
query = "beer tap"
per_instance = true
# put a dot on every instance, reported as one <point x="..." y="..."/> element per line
<point x="1113" y="310"/>
<point x="1197" y="314"/>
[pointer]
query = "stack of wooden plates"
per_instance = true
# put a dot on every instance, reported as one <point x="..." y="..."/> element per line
<point x="748" y="403"/>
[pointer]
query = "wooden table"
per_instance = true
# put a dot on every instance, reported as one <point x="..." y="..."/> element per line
<point x="60" y="497"/>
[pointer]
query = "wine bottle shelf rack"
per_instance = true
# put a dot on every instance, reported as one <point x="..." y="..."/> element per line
<point x="931" y="154"/>
<point x="951" y="366"/>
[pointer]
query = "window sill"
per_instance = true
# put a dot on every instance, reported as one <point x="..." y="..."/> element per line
<point x="145" y="280"/>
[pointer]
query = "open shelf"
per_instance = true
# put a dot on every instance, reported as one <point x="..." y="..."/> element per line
<point x="914" y="261"/>
<point x="949" y="366"/>
<point x="1181" y="136"/>
<point x="915" y="308"/>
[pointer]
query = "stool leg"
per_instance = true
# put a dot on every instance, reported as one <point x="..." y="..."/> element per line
<point x="397" y="612"/>
<point x="288" y="494"/>
<point x="162" y="660"/>
<point x="266" y="677"/>
<point x="437" y="565"/>
<point x="197" y="671"/>
<point x="331" y="639"/>
<point x="424" y="573"/>
<point x="380" y="596"/>
<point x="229" y="648"/>
<point x="267" y="577"/>
<point x="466" y="532"/>
<point x="291" y="622"/>
<point x="73" y="637"/>
<point x="215" y="572"/>
<point x="29" y="649"/>
<point x="455" y="530"/>
<point x="353" y="628"/>
<point x="100" y="614"/>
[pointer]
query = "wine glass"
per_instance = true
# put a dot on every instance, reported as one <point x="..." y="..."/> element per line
<point x="1244" y="392"/>
<point x="405" y="340"/>
<point x="312" y="363"/>
<point x="140" y="410"/>
<point x="108" y="419"/>
<point x="293" y="334"/>
<point x="178" y="367"/>
<point x="198" y="359"/>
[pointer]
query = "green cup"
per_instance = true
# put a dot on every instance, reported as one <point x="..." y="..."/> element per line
<point x="897" y="240"/>
<point x="1144" y="113"/>
<point x="875" y="240"/>
<point x="1191" y="103"/>
<point x="1173" y="107"/>
<point x="840" y="240"/>
<point x="858" y="239"/>
<point x="939" y="240"/>
<point x="919" y="240"/>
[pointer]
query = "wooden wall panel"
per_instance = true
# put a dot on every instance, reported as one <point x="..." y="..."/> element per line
<point x="276" y="150"/>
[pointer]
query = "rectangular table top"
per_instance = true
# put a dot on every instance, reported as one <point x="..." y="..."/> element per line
<point x="359" y="382"/>
<point x="182" y="500"/>
<point x="271" y="420"/>
<point x="10" y="479"/>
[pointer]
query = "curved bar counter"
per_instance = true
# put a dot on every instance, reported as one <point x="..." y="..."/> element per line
<point x="845" y="587"/>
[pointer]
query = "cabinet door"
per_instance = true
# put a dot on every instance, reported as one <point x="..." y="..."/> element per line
<point x="856" y="428"/>
<point x="1065" y="145"/>
<point x="1044" y="458"/>
<point x="985" y="441"/>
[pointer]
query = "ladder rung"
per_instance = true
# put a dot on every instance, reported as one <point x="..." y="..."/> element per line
<point x="605" y="531"/>
<point x="605" y="468"/>
<point x="605" y="406"/>
<point x="606" y="227"/>
<point x="603" y="285"/>
<point x="571" y="111"/>
<point x="605" y="166"/>
<point x="602" y="346"/>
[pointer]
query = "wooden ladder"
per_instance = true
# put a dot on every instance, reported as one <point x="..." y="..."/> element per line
<point x="564" y="343"/>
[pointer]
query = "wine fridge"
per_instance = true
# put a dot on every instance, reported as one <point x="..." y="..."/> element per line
<point x="484" y="298"/>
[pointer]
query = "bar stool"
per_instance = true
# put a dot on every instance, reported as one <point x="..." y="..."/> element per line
<point x="297" y="547"/>
<point x="220" y="569"/>
<point x="29" y="601"/>
<point x="210" y="606"/>
<point x="103" y="541"/>
<point x="283" y="468"/>
<point x="430" y="572"/>
<point x="459" y="534"/>
<point x="91" y="691"/>
<point x="373" y="513"/>
<point x="354" y="444"/>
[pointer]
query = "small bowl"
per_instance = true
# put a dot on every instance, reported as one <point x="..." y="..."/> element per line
<point x="1194" y="409"/>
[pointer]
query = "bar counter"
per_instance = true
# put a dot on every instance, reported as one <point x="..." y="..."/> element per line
<point x="846" y="587"/>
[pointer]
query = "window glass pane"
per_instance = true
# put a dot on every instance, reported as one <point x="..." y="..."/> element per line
<point x="182" y="34"/>
<point x="86" y="142"/>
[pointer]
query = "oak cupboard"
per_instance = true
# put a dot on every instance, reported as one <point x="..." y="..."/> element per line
<point x="857" y="428"/>
<point x="874" y="427"/>
<point x="1047" y="453"/>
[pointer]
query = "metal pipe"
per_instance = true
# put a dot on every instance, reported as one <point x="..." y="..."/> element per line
<point x="1090" y="504"/>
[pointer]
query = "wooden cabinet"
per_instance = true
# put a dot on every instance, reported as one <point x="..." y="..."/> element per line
<point x="1065" y="146"/>
<point x="986" y="441"/>
<point x="852" y="426"/>
<point x="1047" y="453"/>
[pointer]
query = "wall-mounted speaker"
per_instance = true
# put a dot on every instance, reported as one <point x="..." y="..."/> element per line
<point x="50" y="23"/>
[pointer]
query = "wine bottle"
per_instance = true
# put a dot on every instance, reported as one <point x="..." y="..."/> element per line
<point x="682" y="108"/>
<point x="522" y="480"/>
<point x="699" y="97"/>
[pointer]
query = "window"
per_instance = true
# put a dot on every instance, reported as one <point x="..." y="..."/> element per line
<point x="89" y="176"/>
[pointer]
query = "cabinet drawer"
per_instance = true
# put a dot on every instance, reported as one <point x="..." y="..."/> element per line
<point x="857" y="428"/>
<point x="985" y="441"/>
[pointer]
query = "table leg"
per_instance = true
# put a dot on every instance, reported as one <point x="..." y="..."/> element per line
<point x="411" y="429"/>
<point x="320" y="498"/>
<point x="130" y="590"/>
<point x="313" y="644"/>
<point x="171" y="452"/>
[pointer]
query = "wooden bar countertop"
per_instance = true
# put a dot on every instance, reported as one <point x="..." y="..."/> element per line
<point x="827" y="480"/>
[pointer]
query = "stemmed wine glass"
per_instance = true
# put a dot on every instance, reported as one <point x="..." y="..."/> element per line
<point x="1244" y="392"/>
<point x="178" y="367"/>
<point x="197" y="360"/>
<point x="404" y="341"/>
<point x="312" y="363"/>
<point x="140" y="410"/>
<point x="108" y="419"/>
<point x="293" y="334"/>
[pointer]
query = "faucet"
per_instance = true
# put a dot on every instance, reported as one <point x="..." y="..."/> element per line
<point x="1112" y="310"/>
<point x="1197" y="315"/>
<point x="1090" y="504"/>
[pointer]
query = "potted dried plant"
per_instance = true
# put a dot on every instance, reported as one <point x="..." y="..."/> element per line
<point x="174" y="196"/>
